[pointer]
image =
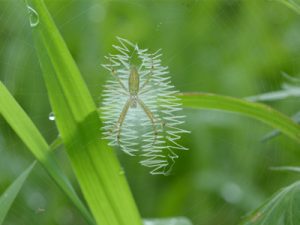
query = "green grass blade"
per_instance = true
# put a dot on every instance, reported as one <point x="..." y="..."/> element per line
<point x="56" y="143"/>
<point x="29" y="134"/>
<point x="286" y="168"/>
<point x="255" y="110"/>
<point x="275" y="133"/>
<point x="282" y="208"/>
<point x="96" y="166"/>
<point x="8" y="197"/>
<point x="291" y="4"/>
<point x="276" y="95"/>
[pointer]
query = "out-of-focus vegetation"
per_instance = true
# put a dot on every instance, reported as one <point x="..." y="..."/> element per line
<point x="230" y="47"/>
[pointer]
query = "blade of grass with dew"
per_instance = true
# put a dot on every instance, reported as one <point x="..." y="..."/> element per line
<point x="8" y="197"/>
<point x="255" y="110"/>
<point x="282" y="208"/>
<point x="32" y="138"/>
<point x="96" y="167"/>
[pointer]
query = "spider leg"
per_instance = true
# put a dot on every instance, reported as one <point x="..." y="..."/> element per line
<point x="122" y="118"/>
<point x="150" y="116"/>
<point x="114" y="74"/>
<point x="148" y="78"/>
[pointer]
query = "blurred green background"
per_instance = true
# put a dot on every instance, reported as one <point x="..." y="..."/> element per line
<point x="230" y="47"/>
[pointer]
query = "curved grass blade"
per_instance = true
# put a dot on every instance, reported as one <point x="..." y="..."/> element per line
<point x="32" y="138"/>
<point x="255" y="110"/>
<point x="282" y="208"/>
<point x="275" y="133"/>
<point x="8" y="197"/>
<point x="96" y="167"/>
<point x="290" y="89"/>
<point x="288" y="92"/>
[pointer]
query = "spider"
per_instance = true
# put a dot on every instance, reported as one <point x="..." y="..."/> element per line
<point x="142" y="97"/>
<point x="134" y="88"/>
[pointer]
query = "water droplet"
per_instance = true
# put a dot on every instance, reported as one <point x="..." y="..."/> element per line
<point x="33" y="17"/>
<point x="51" y="116"/>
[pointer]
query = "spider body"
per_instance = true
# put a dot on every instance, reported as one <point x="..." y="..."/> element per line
<point x="134" y="82"/>
<point x="134" y="100"/>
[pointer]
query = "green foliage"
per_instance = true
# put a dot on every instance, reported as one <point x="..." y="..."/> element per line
<point x="258" y="111"/>
<point x="29" y="134"/>
<point x="291" y="4"/>
<point x="282" y="209"/>
<point x="231" y="48"/>
<point x="8" y="197"/>
<point x="287" y="168"/>
<point x="96" y="166"/>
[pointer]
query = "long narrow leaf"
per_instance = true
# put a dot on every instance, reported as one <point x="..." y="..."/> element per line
<point x="286" y="168"/>
<point x="291" y="4"/>
<point x="29" y="134"/>
<point x="274" y="133"/>
<point x="282" y="208"/>
<point x="276" y="95"/>
<point x="96" y="166"/>
<point x="255" y="110"/>
<point x="8" y="197"/>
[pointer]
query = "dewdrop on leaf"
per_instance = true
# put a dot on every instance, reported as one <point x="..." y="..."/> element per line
<point x="140" y="111"/>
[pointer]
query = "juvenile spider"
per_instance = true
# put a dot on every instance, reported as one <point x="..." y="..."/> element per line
<point x="133" y="101"/>
<point x="140" y="110"/>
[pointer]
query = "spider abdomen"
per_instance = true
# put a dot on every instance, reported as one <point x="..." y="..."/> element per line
<point x="133" y="81"/>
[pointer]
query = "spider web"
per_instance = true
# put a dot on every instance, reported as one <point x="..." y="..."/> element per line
<point x="237" y="48"/>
